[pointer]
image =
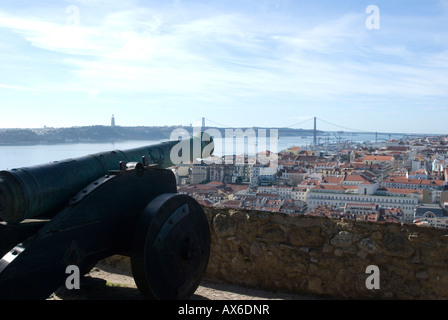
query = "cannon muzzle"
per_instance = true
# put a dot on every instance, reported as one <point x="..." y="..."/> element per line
<point x="27" y="193"/>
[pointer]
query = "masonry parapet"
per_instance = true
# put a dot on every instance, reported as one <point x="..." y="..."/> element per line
<point x="328" y="257"/>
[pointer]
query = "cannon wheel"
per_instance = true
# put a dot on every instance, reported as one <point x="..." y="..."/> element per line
<point x="171" y="247"/>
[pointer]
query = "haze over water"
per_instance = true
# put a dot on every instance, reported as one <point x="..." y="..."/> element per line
<point x="30" y="155"/>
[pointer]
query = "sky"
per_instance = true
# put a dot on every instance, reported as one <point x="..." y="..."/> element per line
<point x="238" y="63"/>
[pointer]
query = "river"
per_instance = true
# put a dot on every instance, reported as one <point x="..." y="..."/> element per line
<point x="29" y="155"/>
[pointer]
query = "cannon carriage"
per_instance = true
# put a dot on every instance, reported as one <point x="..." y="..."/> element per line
<point x="80" y="211"/>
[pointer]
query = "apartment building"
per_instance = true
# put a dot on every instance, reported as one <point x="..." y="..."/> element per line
<point x="416" y="184"/>
<point x="431" y="215"/>
<point x="200" y="173"/>
<point x="376" y="159"/>
<point x="338" y="196"/>
<point x="221" y="172"/>
<point x="286" y="193"/>
<point x="283" y="192"/>
<point x="432" y="189"/>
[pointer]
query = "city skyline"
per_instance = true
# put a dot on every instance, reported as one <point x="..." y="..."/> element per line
<point x="370" y="65"/>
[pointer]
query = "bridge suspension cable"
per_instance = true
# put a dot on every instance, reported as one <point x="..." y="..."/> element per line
<point x="342" y="127"/>
<point x="296" y="124"/>
<point x="291" y="126"/>
<point x="219" y="124"/>
<point x="284" y="127"/>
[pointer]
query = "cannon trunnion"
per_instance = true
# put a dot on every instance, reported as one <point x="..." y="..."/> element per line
<point x="136" y="212"/>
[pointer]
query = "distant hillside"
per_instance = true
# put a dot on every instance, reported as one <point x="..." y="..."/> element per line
<point x="104" y="134"/>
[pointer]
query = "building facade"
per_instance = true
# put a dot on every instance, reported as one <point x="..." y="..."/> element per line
<point x="340" y="197"/>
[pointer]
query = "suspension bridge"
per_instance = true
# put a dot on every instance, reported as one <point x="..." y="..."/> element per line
<point x="311" y="124"/>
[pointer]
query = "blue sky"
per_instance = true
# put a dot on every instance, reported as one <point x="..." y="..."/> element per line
<point x="235" y="62"/>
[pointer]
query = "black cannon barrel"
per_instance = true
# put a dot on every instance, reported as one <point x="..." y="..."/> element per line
<point x="30" y="192"/>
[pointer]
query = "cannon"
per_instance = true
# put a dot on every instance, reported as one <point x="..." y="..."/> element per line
<point x="79" y="211"/>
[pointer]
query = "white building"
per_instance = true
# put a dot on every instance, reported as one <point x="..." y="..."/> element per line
<point x="441" y="223"/>
<point x="431" y="215"/>
<point x="417" y="164"/>
<point x="200" y="173"/>
<point x="437" y="168"/>
<point x="283" y="192"/>
<point x="361" y="208"/>
<point x="338" y="196"/>
<point x="299" y="194"/>
<point x="416" y="184"/>
<point x="261" y="175"/>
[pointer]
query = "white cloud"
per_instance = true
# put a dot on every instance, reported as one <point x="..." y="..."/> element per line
<point x="172" y="57"/>
<point x="131" y="52"/>
<point x="63" y="38"/>
<point x="20" y="88"/>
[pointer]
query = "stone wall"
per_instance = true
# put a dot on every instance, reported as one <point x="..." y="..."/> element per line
<point x="328" y="257"/>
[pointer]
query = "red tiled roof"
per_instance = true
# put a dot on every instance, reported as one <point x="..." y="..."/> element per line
<point x="335" y="187"/>
<point x="204" y="202"/>
<point x="405" y="191"/>
<point x="361" y="204"/>
<point x="237" y="187"/>
<point x="377" y="158"/>
<point x="231" y="204"/>
<point x="271" y="195"/>
<point x="414" y="181"/>
<point x="335" y="180"/>
<point x="215" y="183"/>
